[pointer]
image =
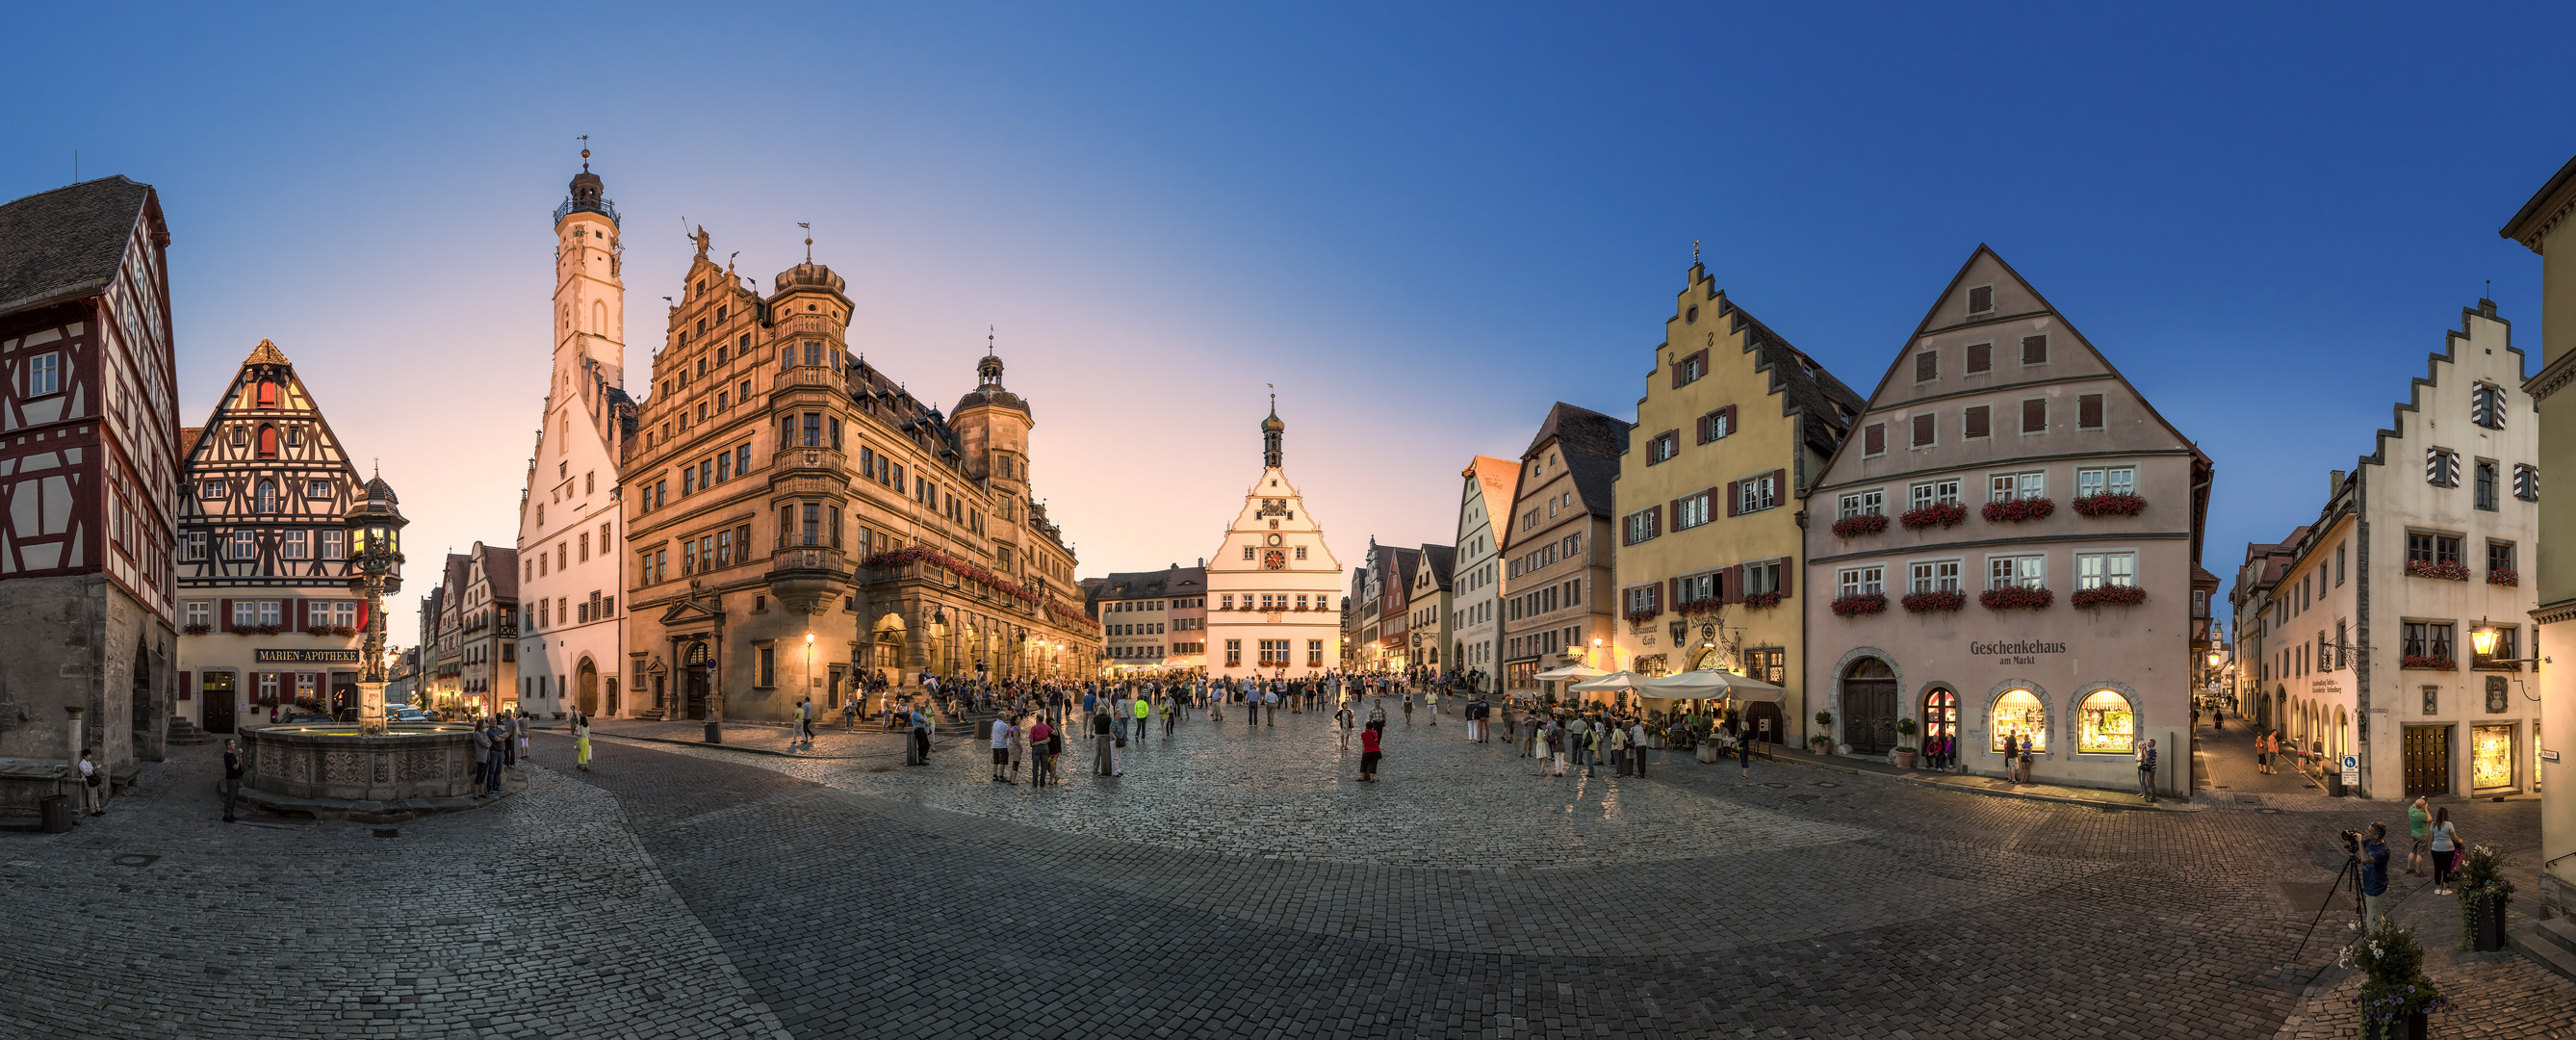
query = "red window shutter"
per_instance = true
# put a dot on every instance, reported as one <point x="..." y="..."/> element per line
<point x="302" y="610"/>
<point x="1676" y="584"/>
<point x="1873" y="439"/>
<point x="1702" y="423"/>
<point x="1780" y="486"/>
<point x="187" y="690"/>
<point x="1731" y="498"/>
<point x="1735" y="584"/>
<point x="2034" y="350"/>
<point x="1676" y="505"/>
<point x="363" y="612"/>
<point x="1677" y="373"/>
<point x="2088" y="411"/>
<point x="1788" y="567"/>
<point x="223" y="615"/>
<point x="1729" y="413"/>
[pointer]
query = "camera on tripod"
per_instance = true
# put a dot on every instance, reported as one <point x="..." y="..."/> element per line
<point x="2351" y="843"/>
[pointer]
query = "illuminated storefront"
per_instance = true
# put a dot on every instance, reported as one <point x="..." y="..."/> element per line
<point x="2491" y="757"/>
<point x="2106" y="725"/>
<point x="2017" y="713"/>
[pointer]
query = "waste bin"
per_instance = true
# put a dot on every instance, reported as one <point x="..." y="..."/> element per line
<point x="1709" y="751"/>
<point x="2334" y="784"/>
<point x="57" y="810"/>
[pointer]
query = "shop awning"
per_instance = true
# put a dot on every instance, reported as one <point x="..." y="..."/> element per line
<point x="1708" y="683"/>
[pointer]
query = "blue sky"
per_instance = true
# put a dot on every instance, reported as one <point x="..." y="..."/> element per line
<point x="1424" y="223"/>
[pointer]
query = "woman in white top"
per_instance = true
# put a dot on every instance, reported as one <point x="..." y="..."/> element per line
<point x="2446" y="851"/>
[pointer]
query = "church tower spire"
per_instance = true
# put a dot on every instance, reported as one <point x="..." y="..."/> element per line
<point x="590" y="295"/>
<point x="1271" y="428"/>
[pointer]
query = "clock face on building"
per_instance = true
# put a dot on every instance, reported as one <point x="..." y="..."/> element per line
<point x="1274" y="539"/>
<point x="1274" y="559"/>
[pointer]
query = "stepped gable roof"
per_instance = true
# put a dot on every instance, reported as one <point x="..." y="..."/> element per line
<point x="68" y="242"/>
<point x="1590" y="444"/>
<point x="1803" y="385"/>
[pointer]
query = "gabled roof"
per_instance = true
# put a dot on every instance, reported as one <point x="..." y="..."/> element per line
<point x="1802" y="385"/>
<point x="188" y="440"/>
<point x="1441" y="559"/>
<point x="68" y="242"/>
<point x="501" y="568"/>
<point x="1589" y="443"/>
<point x="1499" y="480"/>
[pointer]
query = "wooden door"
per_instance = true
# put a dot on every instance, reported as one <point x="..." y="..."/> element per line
<point x="588" y="689"/>
<point x="2428" y="760"/>
<point x="215" y="700"/>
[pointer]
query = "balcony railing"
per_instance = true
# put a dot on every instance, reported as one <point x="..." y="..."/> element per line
<point x="800" y="376"/>
<point x="602" y="207"/>
<point x="809" y="558"/>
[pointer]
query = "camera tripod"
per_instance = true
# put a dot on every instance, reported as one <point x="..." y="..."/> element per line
<point x="2351" y="873"/>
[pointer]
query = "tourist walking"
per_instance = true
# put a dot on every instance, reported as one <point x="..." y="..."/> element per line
<point x="850" y="713"/>
<point x="2147" y="771"/>
<point x="581" y="742"/>
<point x="1042" y="743"/>
<point x="232" y="778"/>
<point x="1618" y="748"/>
<point x="1407" y="700"/>
<point x="1270" y="701"/>
<point x="482" y="754"/>
<point x="1744" y="754"/>
<point x="1004" y="735"/>
<point x="1377" y="715"/>
<point x="919" y="753"/>
<point x="1102" y="743"/>
<point x="527" y="724"/>
<point x="2446" y="848"/>
<point x="1141" y="706"/>
<point x="1369" y="755"/>
<point x="500" y="746"/>
<point x="2419" y="825"/>
<point x="1432" y="698"/>
<point x="1637" y="745"/>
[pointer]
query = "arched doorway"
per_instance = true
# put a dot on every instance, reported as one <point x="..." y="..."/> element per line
<point x="586" y="682"/>
<point x="1869" y="707"/>
<point x="1940" y="718"/>
<point x="693" y="679"/>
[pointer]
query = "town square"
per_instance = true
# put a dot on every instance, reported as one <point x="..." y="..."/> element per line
<point x="1161" y="522"/>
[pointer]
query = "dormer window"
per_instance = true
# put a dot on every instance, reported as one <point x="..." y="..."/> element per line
<point x="1981" y="300"/>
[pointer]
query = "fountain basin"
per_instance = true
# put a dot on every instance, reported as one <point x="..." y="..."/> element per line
<point x="332" y="771"/>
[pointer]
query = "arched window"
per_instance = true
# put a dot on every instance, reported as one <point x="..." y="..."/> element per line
<point x="268" y="442"/>
<point x="2106" y="725"/>
<point x="1940" y="714"/>
<point x="267" y="496"/>
<point x="267" y="394"/>
<point x="599" y="318"/>
<point x="2017" y="712"/>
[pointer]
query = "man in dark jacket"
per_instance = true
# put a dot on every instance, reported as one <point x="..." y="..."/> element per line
<point x="2374" y="874"/>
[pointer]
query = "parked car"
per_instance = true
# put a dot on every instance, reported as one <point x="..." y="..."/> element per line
<point x="409" y="715"/>
<point x="306" y="717"/>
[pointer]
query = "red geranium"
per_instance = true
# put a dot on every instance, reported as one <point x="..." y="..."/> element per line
<point x="2109" y="505"/>
<point x="1863" y="603"/>
<point x="2108" y="596"/>
<point x="1948" y="514"/>
<point x="2016" y="598"/>
<point x="1940" y="599"/>
<point x="1858" y="526"/>
<point x="2015" y="510"/>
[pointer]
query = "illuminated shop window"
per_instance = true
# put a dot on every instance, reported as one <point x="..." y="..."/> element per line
<point x="2018" y="712"/>
<point x="2490" y="757"/>
<point x="2106" y="725"/>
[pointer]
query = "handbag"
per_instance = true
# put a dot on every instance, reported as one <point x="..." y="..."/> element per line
<point x="92" y="780"/>
<point x="1122" y="740"/>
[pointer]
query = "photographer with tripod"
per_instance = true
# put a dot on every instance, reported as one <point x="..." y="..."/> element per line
<point x="2365" y="868"/>
<point x="2374" y="875"/>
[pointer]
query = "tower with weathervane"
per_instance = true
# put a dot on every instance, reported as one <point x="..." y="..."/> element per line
<point x="1272" y="585"/>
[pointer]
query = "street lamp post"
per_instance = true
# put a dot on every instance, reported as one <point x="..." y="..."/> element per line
<point x="375" y="558"/>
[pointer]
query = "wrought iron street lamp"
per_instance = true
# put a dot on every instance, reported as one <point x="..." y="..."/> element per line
<point x="375" y="566"/>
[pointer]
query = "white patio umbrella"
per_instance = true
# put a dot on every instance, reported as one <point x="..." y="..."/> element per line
<point x="1612" y="681"/>
<point x="1709" y="683"/>
<point x="1571" y="671"/>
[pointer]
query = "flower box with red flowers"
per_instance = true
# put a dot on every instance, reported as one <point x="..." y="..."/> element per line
<point x="1857" y="605"/>
<point x="2503" y="576"/>
<point x="1768" y="600"/>
<point x="2016" y="510"/>
<point x="2428" y="663"/>
<point x="196" y="630"/>
<point x="2108" y="596"/>
<point x="1949" y="514"/>
<point x="1860" y="526"/>
<point x="1641" y="617"/>
<point x="2016" y="598"/>
<point x="1939" y="599"/>
<point x="2447" y="570"/>
<point x="2109" y="504"/>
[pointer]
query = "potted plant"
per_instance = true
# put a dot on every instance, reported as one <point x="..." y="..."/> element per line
<point x="2108" y="595"/>
<point x="1822" y="743"/>
<point x="2109" y="503"/>
<point x="1860" y="526"/>
<point x="2016" y="510"/>
<point x="1937" y="599"/>
<point x="2483" y="894"/>
<point x="1904" y="752"/>
<point x="2396" y="994"/>
<point x="1939" y="514"/>
<point x="1859" y="604"/>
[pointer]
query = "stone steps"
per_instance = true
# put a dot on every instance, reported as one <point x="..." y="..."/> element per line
<point x="184" y="731"/>
<point x="2552" y="943"/>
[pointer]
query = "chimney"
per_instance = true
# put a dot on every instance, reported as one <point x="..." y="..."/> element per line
<point x="2336" y="487"/>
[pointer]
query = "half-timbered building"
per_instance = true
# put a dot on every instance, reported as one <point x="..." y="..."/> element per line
<point x="89" y="435"/>
<point x="267" y="619"/>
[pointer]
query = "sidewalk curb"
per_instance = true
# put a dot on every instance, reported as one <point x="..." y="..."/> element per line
<point x="2165" y="805"/>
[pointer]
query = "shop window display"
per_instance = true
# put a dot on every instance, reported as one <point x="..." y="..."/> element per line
<point x="2490" y="757"/>
<point x="2017" y="712"/>
<point x="2105" y="725"/>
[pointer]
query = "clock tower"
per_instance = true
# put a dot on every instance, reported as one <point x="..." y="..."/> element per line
<point x="1272" y="586"/>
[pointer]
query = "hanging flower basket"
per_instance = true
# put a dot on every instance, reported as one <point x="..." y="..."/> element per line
<point x="196" y="630"/>
<point x="1860" y="526"/>
<point x="1927" y="602"/>
<point x="2109" y="596"/>
<point x="2016" y="510"/>
<point x="2448" y="570"/>
<point x="2504" y="576"/>
<point x="1944" y="515"/>
<point x="1768" y="600"/>
<point x="1855" y="606"/>
<point x="2109" y="505"/>
<point x="2016" y="598"/>
<point x="2428" y="663"/>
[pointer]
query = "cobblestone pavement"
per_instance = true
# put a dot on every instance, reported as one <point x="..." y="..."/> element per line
<point x="1231" y="883"/>
<point x="830" y="741"/>
<point x="1241" y="883"/>
<point x="538" y="916"/>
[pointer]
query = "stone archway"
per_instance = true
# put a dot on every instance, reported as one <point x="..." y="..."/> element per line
<point x="1869" y="706"/>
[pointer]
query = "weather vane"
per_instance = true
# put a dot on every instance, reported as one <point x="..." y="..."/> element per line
<point x="585" y="153"/>
<point x="809" y="240"/>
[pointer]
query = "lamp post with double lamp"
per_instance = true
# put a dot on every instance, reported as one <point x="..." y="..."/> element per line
<point x="375" y="564"/>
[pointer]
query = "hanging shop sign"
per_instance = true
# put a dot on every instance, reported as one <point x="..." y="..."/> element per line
<point x="306" y="656"/>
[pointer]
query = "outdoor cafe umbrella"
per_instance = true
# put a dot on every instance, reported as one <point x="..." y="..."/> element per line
<point x="1612" y="681"/>
<point x="1710" y="683"/>
<point x="1571" y="671"/>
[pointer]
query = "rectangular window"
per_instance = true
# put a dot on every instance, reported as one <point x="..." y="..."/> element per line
<point x="1927" y="366"/>
<point x="1862" y="581"/>
<point x="210" y="490"/>
<point x="1314" y="653"/>
<point x="1688" y="370"/>
<point x="1691" y="512"/>
<point x="2088" y="411"/>
<point x="768" y="666"/>
<point x="2339" y="561"/>
<point x="813" y="429"/>
<point x="2425" y="639"/>
<point x="200" y="613"/>
<point x="1234" y="653"/>
<point x="2499" y="557"/>
<point x="245" y="546"/>
<point x="2485" y="482"/>
<point x="2096" y="570"/>
<point x="1872" y="502"/>
<point x="317" y="489"/>
<point x="810" y="531"/>
<point x="45" y="374"/>
<point x="1248" y="551"/>
<point x="2109" y="480"/>
<point x="2526" y="483"/>
<point x="2426" y="548"/>
<point x="2441" y="467"/>
<point x="2034" y="415"/>
<point x="1924" y="429"/>
<point x="1301" y="552"/>
<point x="2486" y="406"/>
<point x="2005" y="487"/>
<point x="1981" y="358"/>
<point x="1639" y="526"/>
<point x="1873" y="439"/>
<point x="1981" y="300"/>
<point x="1761" y="577"/>
<point x="1977" y="421"/>
<point x="293" y="545"/>
<point x="1933" y="493"/>
<point x="192" y="546"/>
<point x="2505" y="651"/>
<point x="1932" y="576"/>
<point x="2034" y="350"/>
<point x="2025" y="572"/>
<point x="1661" y="449"/>
<point x="1755" y="494"/>
<point x="1716" y="425"/>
